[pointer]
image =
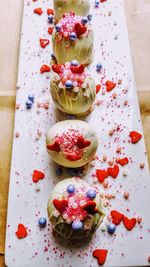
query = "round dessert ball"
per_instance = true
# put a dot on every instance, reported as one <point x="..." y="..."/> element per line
<point x="73" y="40"/>
<point x="71" y="143"/>
<point x="80" y="7"/>
<point x="72" y="88"/>
<point x="74" y="215"/>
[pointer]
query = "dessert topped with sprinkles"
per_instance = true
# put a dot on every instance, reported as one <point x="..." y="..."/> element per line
<point x="73" y="89"/>
<point x="75" y="209"/>
<point x="73" y="39"/>
<point x="80" y="7"/>
<point x="71" y="143"/>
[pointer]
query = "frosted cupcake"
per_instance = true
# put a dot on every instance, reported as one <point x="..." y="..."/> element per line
<point x="71" y="143"/>
<point x="73" y="39"/>
<point x="72" y="88"/>
<point x="75" y="209"/>
<point x="80" y="7"/>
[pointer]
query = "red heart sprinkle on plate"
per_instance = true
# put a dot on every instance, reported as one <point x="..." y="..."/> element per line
<point x="98" y="87"/>
<point x="135" y="137"/>
<point x="100" y="255"/>
<point x="123" y="161"/>
<point x="45" y="68"/>
<point x="50" y="11"/>
<point x="44" y="42"/>
<point x="129" y="223"/>
<point x="60" y="205"/>
<point x="117" y="217"/>
<point x="110" y="86"/>
<point x="37" y="175"/>
<point x="38" y="11"/>
<point x="101" y="175"/>
<point x="21" y="231"/>
<point x="113" y="171"/>
<point x="50" y="30"/>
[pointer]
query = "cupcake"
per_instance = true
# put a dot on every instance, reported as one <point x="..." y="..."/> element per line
<point x="71" y="143"/>
<point x="72" y="88"/>
<point x="73" y="39"/>
<point x="75" y="209"/>
<point x="80" y="7"/>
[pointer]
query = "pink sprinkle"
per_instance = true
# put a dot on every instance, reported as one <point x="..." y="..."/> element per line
<point x="17" y="134"/>
<point x="142" y="165"/>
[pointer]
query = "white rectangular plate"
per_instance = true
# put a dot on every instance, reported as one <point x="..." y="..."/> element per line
<point x="26" y="205"/>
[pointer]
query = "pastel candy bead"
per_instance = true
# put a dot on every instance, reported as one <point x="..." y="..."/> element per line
<point x="70" y="188"/>
<point x="42" y="222"/>
<point x="77" y="225"/>
<point x="91" y="194"/>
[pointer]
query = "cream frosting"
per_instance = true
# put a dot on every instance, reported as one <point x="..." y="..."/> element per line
<point x="77" y="100"/>
<point x="62" y="221"/>
<point x="71" y="143"/>
<point x="80" y="7"/>
<point x="66" y="50"/>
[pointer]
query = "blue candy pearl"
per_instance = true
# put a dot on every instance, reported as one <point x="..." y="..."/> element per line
<point x="42" y="222"/>
<point x="70" y="189"/>
<point x="91" y="194"/>
<point x="96" y="3"/>
<point x="29" y="104"/>
<point x="57" y="27"/>
<point x="98" y="66"/>
<point x="89" y="17"/>
<point x="111" y="228"/>
<point x="73" y="36"/>
<point x="50" y="19"/>
<point x="74" y="63"/>
<point x="59" y="171"/>
<point x="69" y="84"/>
<point x="84" y="20"/>
<point x="77" y="225"/>
<point x="31" y="97"/>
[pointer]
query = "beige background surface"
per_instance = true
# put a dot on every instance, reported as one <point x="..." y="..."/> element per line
<point x="138" y="14"/>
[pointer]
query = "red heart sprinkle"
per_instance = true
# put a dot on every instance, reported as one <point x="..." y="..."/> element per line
<point x="38" y="11"/>
<point x="45" y="68"/>
<point x="54" y="147"/>
<point x="73" y="156"/>
<point x="98" y="87"/>
<point x="101" y="175"/>
<point x="129" y="223"/>
<point x="44" y="42"/>
<point x="57" y="68"/>
<point x="60" y="205"/>
<point x="135" y="137"/>
<point x="90" y="207"/>
<point x="110" y="85"/>
<point x="82" y="143"/>
<point x="123" y="161"/>
<point x="21" y="231"/>
<point x="117" y="217"/>
<point x="77" y="69"/>
<point x="50" y="30"/>
<point x="50" y="11"/>
<point x="37" y="175"/>
<point x="80" y="29"/>
<point x="113" y="171"/>
<point x="100" y="255"/>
